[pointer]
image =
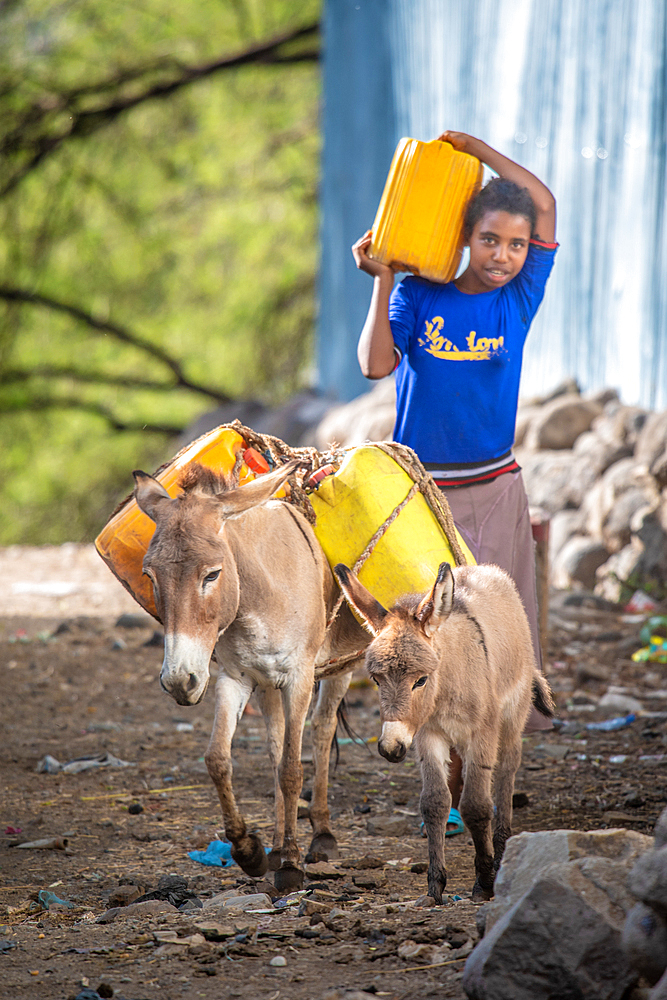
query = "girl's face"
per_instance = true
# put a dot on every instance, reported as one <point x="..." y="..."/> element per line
<point x="498" y="248"/>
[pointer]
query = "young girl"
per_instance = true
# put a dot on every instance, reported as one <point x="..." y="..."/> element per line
<point x="457" y="350"/>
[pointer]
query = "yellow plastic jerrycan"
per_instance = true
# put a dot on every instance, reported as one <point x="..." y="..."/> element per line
<point x="352" y="504"/>
<point x="419" y="222"/>
<point x="123" y="542"/>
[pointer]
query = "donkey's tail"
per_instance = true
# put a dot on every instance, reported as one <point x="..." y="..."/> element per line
<point x="542" y="696"/>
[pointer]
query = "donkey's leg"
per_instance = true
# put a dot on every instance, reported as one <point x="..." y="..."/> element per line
<point x="231" y="698"/>
<point x="477" y="813"/>
<point x="435" y="803"/>
<point x="271" y="704"/>
<point x="296" y="698"/>
<point x="323" y="727"/>
<point x="509" y="759"/>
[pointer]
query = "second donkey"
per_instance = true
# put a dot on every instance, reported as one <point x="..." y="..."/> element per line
<point x="455" y="669"/>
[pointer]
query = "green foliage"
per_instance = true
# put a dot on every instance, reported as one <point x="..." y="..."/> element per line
<point x="186" y="220"/>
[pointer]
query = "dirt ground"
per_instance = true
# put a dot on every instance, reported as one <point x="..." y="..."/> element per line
<point x="77" y="683"/>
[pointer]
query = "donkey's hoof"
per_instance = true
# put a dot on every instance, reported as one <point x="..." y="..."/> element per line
<point x="288" y="878"/>
<point x="274" y="859"/>
<point x="481" y="894"/>
<point x="324" y="844"/>
<point x="437" y="881"/>
<point x="251" y="857"/>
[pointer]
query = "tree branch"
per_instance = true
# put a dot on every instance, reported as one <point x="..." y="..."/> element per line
<point x="120" y="333"/>
<point x="39" y="403"/>
<point x="14" y="376"/>
<point x="79" y="121"/>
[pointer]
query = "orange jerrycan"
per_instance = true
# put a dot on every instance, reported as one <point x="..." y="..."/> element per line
<point x="419" y="222"/>
<point x="123" y="541"/>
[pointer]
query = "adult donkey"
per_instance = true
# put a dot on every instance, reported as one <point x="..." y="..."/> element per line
<point x="243" y="575"/>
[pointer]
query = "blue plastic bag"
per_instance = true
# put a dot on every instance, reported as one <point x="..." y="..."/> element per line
<point x="609" y="725"/>
<point x="218" y="854"/>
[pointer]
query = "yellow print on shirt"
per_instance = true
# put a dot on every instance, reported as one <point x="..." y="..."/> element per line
<point x="440" y="347"/>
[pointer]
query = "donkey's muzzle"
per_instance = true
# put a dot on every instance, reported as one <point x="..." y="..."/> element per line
<point x="395" y="741"/>
<point x="394" y="753"/>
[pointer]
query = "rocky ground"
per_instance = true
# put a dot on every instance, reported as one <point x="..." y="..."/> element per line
<point x="76" y="683"/>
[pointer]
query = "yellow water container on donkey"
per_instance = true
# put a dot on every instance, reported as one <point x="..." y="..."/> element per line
<point x="350" y="507"/>
<point x="123" y="541"/>
<point x="419" y="222"/>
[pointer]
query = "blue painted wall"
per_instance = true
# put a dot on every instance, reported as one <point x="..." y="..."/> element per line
<point x="577" y="92"/>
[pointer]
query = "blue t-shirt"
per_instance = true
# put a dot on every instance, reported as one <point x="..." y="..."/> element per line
<point x="457" y="383"/>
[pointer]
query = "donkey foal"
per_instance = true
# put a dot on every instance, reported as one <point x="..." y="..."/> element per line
<point x="455" y="669"/>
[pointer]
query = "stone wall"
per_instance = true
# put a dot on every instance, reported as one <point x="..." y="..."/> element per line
<point x="597" y="467"/>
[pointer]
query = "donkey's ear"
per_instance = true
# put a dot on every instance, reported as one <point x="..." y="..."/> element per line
<point x="238" y="501"/>
<point x="435" y="608"/>
<point x="149" y="494"/>
<point x="370" y="611"/>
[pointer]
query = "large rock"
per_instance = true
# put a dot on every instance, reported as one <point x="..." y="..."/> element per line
<point x="603" y="494"/>
<point x="598" y="453"/>
<point x="555" y="479"/>
<point x="551" y="945"/>
<point x="528" y="855"/>
<point x="553" y="930"/>
<point x="643" y="562"/>
<point x="644" y="940"/>
<point x="559" y="423"/>
<point x="619" y="425"/>
<point x="652" y="439"/>
<point x="564" y="524"/>
<point x="577" y="562"/>
<point x="645" y="931"/>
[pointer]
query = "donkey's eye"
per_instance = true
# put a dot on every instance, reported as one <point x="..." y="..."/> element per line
<point x="212" y="577"/>
<point x="420" y="683"/>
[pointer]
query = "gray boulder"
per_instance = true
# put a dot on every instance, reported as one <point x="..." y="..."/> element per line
<point x="553" y="930"/>
<point x="551" y="945"/>
<point x="556" y="480"/>
<point x="529" y="855"/>
<point x="564" y="524"/>
<point x="600" y="453"/>
<point x="644" y="940"/>
<point x="577" y="561"/>
<point x="620" y="425"/>
<point x="652" y="439"/>
<point x="560" y="422"/>
<point x="645" y="931"/>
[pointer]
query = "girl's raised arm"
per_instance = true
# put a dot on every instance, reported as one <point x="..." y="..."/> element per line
<point x="375" y="351"/>
<point x="545" y="203"/>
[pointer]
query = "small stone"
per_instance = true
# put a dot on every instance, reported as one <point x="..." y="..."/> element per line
<point x="135" y="808"/>
<point x="278" y="961"/>
<point x="309" y="907"/>
<point x="323" y="870"/>
<point x="389" y="826"/>
<point x="124" y="895"/>
<point x="420" y="868"/>
<point x="255" y="901"/>
<point x="424" y="902"/>
<point x="367" y="862"/>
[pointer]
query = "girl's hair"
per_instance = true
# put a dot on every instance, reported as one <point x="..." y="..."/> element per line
<point x="500" y="195"/>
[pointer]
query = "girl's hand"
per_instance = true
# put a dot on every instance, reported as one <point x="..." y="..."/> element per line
<point x="459" y="140"/>
<point x="364" y="262"/>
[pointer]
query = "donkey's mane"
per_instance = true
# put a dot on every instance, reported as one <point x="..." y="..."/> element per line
<point x="198" y="478"/>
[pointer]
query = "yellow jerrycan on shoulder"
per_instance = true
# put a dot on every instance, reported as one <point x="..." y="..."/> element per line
<point x="123" y="541"/>
<point x="419" y="222"/>
<point x="355" y="502"/>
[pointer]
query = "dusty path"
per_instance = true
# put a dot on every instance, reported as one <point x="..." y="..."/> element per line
<point x="53" y="582"/>
<point x="75" y="683"/>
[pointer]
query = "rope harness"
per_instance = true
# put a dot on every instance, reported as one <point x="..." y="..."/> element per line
<point x="277" y="452"/>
